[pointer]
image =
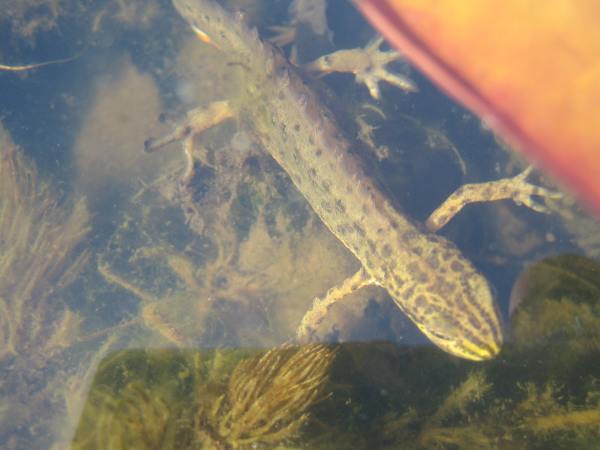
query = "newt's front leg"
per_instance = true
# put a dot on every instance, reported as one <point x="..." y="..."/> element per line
<point x="320" y="307"/>
<point x="196" y="121"/>
<point x="516" y="188"/>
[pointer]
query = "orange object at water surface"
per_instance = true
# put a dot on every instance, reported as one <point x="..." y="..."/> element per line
<point x="530" y="69"/>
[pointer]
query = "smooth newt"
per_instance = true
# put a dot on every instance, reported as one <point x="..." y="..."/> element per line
<point x="426" y="275"/>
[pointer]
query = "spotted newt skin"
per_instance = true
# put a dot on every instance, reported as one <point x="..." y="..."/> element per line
<point x="426" y="275"/>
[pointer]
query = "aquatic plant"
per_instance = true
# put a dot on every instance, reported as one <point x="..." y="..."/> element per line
<point x="268" y="398"/>
<point x="135" y="418"/>
<point x="136" y="401"/>
<point x="545" y="416"/>
<point x="38" y="243"/>
<point x="544" y="392"/>
<point x="527" y="398"/>
<point x="29" y="17"/>
<point x="40" y="256"/>
<point x="231" y="257"/>
<point x="221" y="399"/>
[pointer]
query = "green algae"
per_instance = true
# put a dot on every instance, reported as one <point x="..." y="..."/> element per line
<point x="542" y="392"/>
<point x="42" y="255"/>
<point x="221" y="399"/>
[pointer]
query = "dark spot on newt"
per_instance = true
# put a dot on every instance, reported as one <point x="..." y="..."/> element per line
<point x="433" y="261"/>
<point x="343" y="229"/>
<point x="371" y="245"/>
<point x="409" y="236"/>
<point x="460" y="302"/>
<point x="326" y="206"/>
<point x="360" y="230"/>
<point x="399" y="281"/>
<point x="442" y="219"/>
<point x="457" y="266"/>
<point x="476" y="324"/>
<point x="420" y="301"/>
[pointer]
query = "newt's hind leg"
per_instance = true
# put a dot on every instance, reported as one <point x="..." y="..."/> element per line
<point x="367" y="64"/>
<point x="516" y="188"/>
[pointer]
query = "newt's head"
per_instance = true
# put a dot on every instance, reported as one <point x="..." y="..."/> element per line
<point x="469" y="326"/>
<point x="450" y="302"/>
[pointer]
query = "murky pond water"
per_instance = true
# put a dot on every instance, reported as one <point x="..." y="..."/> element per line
<point x="153" y="299"/>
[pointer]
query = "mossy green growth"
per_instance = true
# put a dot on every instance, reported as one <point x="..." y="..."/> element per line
<point x="219" y="399"/>
<point x="559" y="303"/>
<point x="136" y="401"/>
<point x="542" y="392"/>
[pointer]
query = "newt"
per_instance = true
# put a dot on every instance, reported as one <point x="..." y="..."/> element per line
<point x="426" y="275"/>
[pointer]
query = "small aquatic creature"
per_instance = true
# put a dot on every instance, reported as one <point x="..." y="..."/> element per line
<point x="367" y="64"/>
<point x="426" y="275"/>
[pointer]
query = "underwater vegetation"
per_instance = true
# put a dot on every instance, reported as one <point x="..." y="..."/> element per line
<point x="221" y="399"/>
<point x="580" y="224"/>
<point x="544" y="389"/>
<point x="542" y="392"/>
<point x="38" y="243"/>
<point x="476" y="416"/>
<point x="40" y="257"/>
<point x="230" y="258"/>
<point x="268" y="398"/>
<point x="29" y="17"/>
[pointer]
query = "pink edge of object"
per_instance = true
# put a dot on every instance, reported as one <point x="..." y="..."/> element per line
<point x="560" y="164"/>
